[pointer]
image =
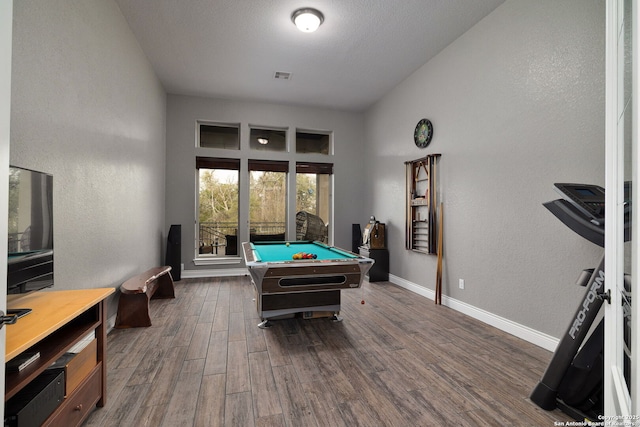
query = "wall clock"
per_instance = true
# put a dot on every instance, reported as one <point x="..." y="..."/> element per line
<point x="423" y="133"/>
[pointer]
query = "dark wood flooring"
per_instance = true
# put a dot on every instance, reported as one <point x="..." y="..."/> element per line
<point x="397" y="360"/>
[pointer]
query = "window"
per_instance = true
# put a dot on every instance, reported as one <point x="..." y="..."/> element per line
<point x="217" y="223"/>
<point x="225" y="136"/>
<point x="268" y="139"/>
<point x="267" y="199"/>
<point x="313" y="201"/>
<point x="265" y="203"/>
<point x="310" y="142"/>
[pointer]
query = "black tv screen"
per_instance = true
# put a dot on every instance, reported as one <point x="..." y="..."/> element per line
<point x="30" y="260"/>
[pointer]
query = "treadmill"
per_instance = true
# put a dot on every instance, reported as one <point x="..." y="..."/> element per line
<point x="573" y="381"/>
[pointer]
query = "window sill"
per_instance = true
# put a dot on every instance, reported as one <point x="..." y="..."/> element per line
<point x="217" y="260"/>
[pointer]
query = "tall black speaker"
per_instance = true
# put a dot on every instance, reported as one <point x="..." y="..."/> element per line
<point x="174" y="250"/>
<point x="356" y="237"/>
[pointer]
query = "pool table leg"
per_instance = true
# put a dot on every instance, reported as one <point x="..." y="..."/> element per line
<point x="265" y="324"/>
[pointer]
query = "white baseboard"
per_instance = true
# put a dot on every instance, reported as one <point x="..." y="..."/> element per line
<point x="111" y="323"/>
<point x="524" y="332"/>
<point x="218" y="272"/>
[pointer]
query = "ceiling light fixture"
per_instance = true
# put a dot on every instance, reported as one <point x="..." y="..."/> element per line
<point x="307" y="19"/>
<point x="263" y="141"/>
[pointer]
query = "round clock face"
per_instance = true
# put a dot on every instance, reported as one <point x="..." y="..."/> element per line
<point x="423" y="133"/>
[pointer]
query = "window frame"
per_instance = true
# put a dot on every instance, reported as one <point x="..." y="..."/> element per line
<point x="317" y="133"/>
<point x="268" y="130"/>
<point x="319" y="168"/>
<point x="278" y="166"/>
<point x="244" y="159"/>
<point x="201" y="123"/>
<point x="205" y="162"/>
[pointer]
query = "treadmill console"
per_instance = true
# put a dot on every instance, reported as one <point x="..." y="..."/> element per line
<point x="581" y="208"/>
<point x="589" y="199"/>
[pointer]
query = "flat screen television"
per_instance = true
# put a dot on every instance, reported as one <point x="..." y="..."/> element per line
<point x="30" y="250"/>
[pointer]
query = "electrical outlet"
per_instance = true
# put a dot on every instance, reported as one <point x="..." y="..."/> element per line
<point x="461" y="283"/>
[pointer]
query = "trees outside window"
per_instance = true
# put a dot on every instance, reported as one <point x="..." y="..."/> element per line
<point x="218" y="201"/>
<point x="267" y="199"/>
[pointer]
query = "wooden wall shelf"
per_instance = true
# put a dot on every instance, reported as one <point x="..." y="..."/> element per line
<point x="422" y="201"/>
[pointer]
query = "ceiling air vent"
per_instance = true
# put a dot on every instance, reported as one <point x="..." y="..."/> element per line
<point x="282" y="75"/>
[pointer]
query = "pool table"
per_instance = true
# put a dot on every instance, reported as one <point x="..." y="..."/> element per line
<point x="286" y="286"/>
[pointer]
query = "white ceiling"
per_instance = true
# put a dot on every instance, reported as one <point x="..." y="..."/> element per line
<point x="232" y="48"/>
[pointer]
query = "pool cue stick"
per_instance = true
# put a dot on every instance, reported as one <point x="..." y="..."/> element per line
<point x="432" y="207"/>
<point x="439" y="270"/>
<point x="435" y="196"/>
<point x="438" y="298"/>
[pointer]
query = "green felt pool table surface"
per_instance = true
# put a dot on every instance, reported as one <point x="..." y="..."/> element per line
<point x="279" y="251"/>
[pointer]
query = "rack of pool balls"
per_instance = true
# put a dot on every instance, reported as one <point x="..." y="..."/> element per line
<point x="304" y="255"/>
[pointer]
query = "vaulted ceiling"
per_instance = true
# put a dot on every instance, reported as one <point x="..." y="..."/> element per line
<point x="232" y="49"/>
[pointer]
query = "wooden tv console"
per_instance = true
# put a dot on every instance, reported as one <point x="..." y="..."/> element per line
<point x="59" y="320"/>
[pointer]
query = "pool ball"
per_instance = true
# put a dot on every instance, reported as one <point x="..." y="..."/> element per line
<point x="287" y="243"/>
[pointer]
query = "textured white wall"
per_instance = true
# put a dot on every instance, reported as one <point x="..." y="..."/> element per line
<point x="517" y="104"/>
<point x="87" y="108"/>
<point x="184" y="111"/>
